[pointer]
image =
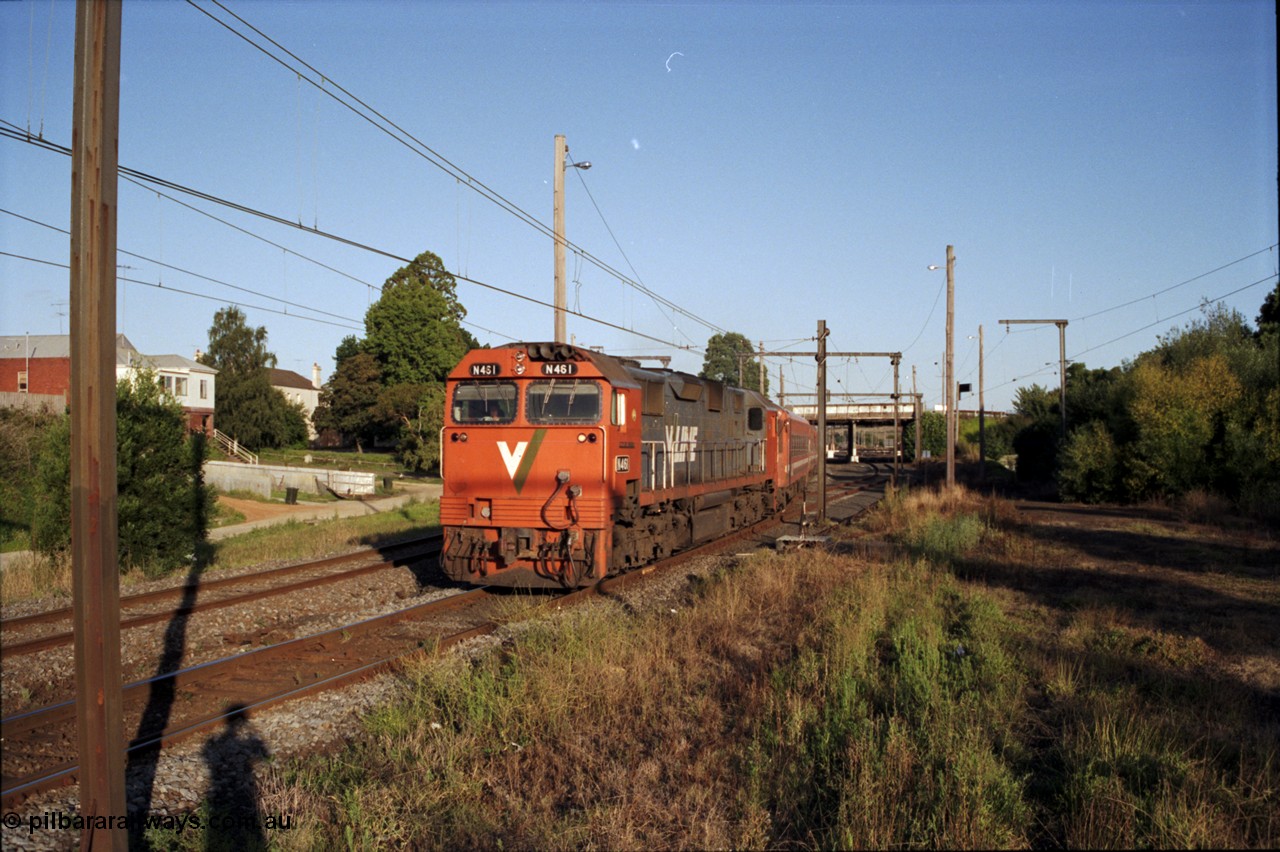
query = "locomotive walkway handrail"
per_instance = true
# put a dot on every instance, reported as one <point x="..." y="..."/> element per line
<point x="735" y="458"/>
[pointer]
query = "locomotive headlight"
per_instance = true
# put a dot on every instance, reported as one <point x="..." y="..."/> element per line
<point x="582" y="437"/>
<point x="485" y="511"/>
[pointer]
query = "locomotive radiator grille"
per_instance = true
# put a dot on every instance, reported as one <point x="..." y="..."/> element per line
<point x="522" y="512"/>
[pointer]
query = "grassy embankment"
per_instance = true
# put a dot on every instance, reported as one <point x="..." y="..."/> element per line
<point x="1008" y="684"/>
<point x="293" y="541"/>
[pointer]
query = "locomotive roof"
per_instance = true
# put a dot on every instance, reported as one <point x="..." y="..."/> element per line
<point x="618" y="370"/>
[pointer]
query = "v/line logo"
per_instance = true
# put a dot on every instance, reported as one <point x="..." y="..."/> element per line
<point x="519" y="459"/>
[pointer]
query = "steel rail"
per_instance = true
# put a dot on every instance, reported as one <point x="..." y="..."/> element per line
<point x="205" y="585"/>
<point x="46" y="720"/>
<point x="389" y="557"/>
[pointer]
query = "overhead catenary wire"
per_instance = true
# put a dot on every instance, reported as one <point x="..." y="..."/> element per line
<point x="1051" y="368"/>
<point x="199" y="275"/>
<point x="170" y="289"/>
<point x="271" y="217"/>
<point x="417" y="146"/>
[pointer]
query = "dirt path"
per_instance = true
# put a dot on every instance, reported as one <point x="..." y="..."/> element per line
<point x="254" y="510"/>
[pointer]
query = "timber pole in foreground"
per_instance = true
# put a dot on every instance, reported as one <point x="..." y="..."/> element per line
<point x="95" y="571"/>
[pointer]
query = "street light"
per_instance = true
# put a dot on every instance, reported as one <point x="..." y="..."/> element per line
<point x="562" y="151"/>
<point x="950" y="365"/>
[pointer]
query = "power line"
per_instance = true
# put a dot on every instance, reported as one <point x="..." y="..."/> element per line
<point x="657" y="300"/>
<point x="1178" y="314"/>
<point x="271" y="217"/>
<point x="1176" y="286"/>
<point x="191" y="273"/>
<point x="169" y="289"/>
<point x="1076" y="356"/>
<point x="417" y="146"/>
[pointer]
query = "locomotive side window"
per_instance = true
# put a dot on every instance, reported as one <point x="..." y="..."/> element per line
<point x="484" y="402"/>
<point x="563" y="401"/>
<point x="755" y="419"/>
<point x="619" y="409"/>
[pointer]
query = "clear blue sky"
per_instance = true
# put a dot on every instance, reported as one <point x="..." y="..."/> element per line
<point x="761" y="166"/>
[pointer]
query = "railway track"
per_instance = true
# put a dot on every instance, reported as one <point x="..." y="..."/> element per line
<point x="40" y="744"/>
<point x="204" y="595"/>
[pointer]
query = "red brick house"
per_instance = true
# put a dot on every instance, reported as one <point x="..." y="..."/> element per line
<point x="38" y="367"/>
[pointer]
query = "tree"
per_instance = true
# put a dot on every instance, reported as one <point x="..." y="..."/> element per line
<point x="416" y="413"/>
<point x="163" y="505"/>
<point x="347" y="400"/>
<point x="1269" y="313"/>
<point x="234" y="348"/>
<point x="1035" y="426"/>
<point x="350" y="345"/>
<point x="1090" y="465"/>
<point x="22" y="434"/>
<point x="414" y="330"/>
<point x="721" y="363"/>
<point x="259" y="415"/>
<point x="933" y="436"/>
<point x="1181" y="420"/>
<point x="247" y="407"/>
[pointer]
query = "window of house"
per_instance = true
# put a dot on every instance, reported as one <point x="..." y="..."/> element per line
<point x="22" y="381"/>
<point x="204" y="388"/>
<point x="180" y="386"/>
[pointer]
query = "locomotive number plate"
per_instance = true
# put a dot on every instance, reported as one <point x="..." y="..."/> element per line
<point x="559" y="368"/>
<point x="485" y="370"/>
<point x="622" y="464"/>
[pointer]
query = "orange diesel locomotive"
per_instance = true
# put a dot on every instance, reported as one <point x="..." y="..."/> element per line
<point x="562" y="465"/>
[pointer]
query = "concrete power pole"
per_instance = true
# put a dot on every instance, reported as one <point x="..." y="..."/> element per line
<point x="95" y="570"/>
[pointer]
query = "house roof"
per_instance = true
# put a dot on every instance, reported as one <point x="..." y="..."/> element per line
<point x="59" y="346"/>
<point x="289" y="379"/>
<point x="167" y="362"/>
<point x="35" y="346"/>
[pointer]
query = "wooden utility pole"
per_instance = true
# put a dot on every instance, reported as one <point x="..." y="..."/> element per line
<point x="916" y="396"/>
<point x="950" y="368"/>
<point x="822" y="420"/>
<point x="95" y="571"/>
<point x="982" y="415"/>
<point x="557" y="215"/>
<point x="762" y="393"/>
<point x="897" y="429"/>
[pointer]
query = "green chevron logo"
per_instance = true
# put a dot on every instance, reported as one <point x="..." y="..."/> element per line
<point x="519" y="461"/>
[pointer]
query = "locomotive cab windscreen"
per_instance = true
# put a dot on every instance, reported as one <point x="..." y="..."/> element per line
<point x="563" y="401"/>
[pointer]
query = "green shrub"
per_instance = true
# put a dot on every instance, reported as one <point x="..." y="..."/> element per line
<point x="162" y="504"/>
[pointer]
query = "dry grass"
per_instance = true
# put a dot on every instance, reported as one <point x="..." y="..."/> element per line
<point x="1048" y="676"/>
<point x="35" y="576"/>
